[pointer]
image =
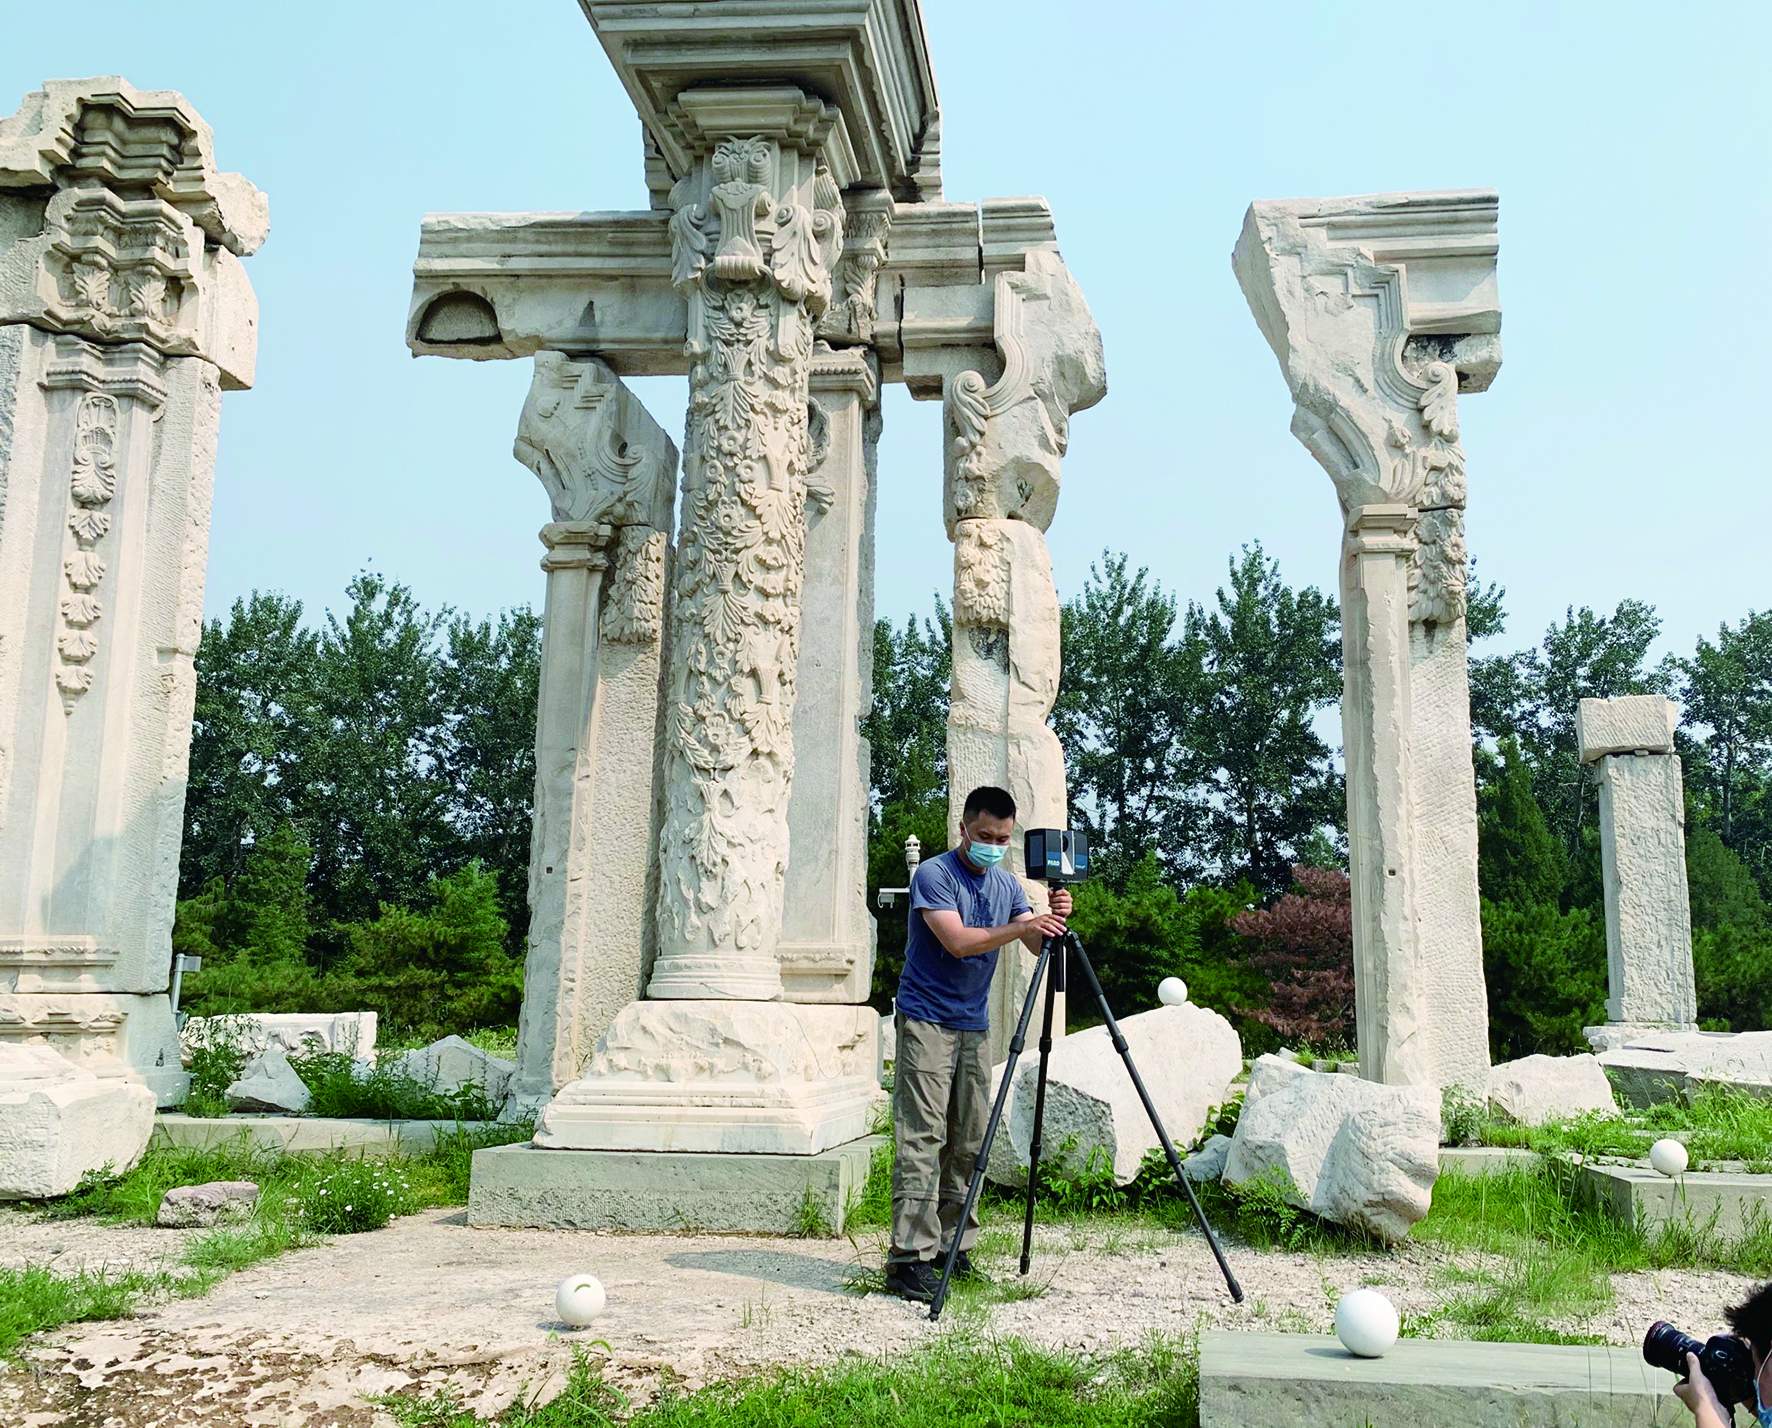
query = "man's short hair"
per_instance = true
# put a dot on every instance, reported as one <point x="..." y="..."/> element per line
<point x="988" y="799"/>
<point x="1752" y="1319"/>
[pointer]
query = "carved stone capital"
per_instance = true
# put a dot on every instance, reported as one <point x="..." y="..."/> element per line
<point x="594" y="446"/>
<point x="141" y="238"/>
<point x="1381" y="310"/>
<point x="1006" y="439"/>
<point x="576" y="545"/>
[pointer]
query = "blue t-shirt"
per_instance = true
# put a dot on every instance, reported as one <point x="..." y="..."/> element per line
<point x="937" y="986"/>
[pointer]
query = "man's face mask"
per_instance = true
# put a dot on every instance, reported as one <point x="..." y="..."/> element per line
<point x="986" y="855"/>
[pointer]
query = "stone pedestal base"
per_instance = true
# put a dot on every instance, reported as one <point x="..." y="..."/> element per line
<point x="773" y="1078"/>
<point x="523" y="1185"/>
<point x="110" y="1034"/>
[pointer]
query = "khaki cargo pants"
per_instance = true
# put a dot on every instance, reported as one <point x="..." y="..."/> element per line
<point x="940" y="1103"/>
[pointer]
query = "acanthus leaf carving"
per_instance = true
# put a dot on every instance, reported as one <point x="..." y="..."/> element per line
<point x="633" y="608"/>
<point x="92" y="483"/>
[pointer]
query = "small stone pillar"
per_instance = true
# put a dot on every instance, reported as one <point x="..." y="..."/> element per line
<point x="610" y="472"/>
<point x="1630" y="743"/>
<point x="125" y="313"/>
<point x="827" y="935"/>
<point x="1381" y="311"/>
<point x="1005" y="442"/>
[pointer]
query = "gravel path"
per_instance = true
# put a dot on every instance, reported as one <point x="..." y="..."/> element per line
<point x="298" y="1342"/>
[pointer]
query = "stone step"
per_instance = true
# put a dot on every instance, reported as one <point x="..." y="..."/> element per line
<point x="302" y="1134"/>
<point x="1483" y="1159"/>
<point x="1727" y="1202"/>
<point x="666" y="1190"/>
<point x="1310" y="1381"/>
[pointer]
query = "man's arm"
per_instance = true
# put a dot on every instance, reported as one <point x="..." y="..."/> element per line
<point x="1028" y="927"/>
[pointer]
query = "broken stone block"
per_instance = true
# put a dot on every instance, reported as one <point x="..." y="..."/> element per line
<point x="1648" y="1066"/>
<point x="1355" y="1152"/>
<point x="1207" y="1163"/>
<point x="304" y="1032"/>
<point x="200" y="1206"/>
<point x="269" y="1083"/>
<point x="453" y="1064"/>
<point x="1188" y="1057"/>
<point x="59" y="1121"/>
<point x="1536" y="1089"/>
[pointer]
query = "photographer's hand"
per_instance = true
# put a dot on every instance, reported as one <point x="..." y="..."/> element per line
<point x="1698" y="1395"/>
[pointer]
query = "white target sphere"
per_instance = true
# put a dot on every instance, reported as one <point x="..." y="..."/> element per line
<point x="579" y="1299"/>
<point x="1366" y="1323"/>
<point x="1172" y="991"/>
<point x="1669" y="1157"/>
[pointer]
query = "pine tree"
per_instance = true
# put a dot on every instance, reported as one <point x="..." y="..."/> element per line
<point x="1518" y="861"/>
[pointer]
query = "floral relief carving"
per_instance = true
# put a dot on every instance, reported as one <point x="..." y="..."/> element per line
<point x="118" y="269"/>
<point x="92" y="484"/>
<point x="633" y="608"/>
<point x="1429" y="474"/>
<point x="755" y="269"/>
<point x="852" y="314"/>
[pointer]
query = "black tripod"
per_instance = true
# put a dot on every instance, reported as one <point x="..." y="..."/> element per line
<point x="1052" y="959"/>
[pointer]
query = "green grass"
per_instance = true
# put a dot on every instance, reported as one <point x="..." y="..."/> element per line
<point x="290" y="1213"/>
<point x="957" y="1382"/>
<point x="1717" y="1123"/>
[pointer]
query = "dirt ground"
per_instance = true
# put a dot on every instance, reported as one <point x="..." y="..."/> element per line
<point x="300" y="1341"/>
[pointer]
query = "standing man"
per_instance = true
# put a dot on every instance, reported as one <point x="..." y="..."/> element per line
<point x="965" y="906"/>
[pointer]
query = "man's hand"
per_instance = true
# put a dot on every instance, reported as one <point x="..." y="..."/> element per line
<point x="1061" y="901"/>
<point x="1698" y="1395"/>
<point x="1051" y="923"/>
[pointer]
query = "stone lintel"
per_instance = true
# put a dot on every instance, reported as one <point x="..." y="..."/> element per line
<point x="869" y="59"/>
<point x="1630" y="724"/>
<point x="491" y="286"/>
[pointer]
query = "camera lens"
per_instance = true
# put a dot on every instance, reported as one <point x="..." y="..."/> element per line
<point x="1665" y="1347"/>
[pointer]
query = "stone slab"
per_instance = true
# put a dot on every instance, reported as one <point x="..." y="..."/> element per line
<point x="1724" y="1201"/>
<point x="1310" y="1381"/>
<point x="651" y="1191"/>
<point x="1484" y="1159"/>
<point x="315" y="1135"/>
<point x="1633" y="723"/>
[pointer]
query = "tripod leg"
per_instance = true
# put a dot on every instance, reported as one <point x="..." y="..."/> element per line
<point x="1016" y="1043"/>
<point x="1054" y="977"/>
<point x="1119" y="1040"/>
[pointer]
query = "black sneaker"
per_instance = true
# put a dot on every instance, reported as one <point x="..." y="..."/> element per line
<point x="913" y="1280"/>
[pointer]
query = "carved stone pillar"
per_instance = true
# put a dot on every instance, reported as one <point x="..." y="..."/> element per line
<point x="1005" y="441"/>
<point x="610" y="473"/>
<point x="827" y="938"/>
<point x="1381" y="310"/>
<point x="1629" y="742"/>
<point x="755" y="228"/>
<point x="124" y="314"/>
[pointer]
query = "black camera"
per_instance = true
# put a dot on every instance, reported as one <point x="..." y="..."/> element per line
<point x="1057" y="855"/>
<point x="1726" y="1360"/>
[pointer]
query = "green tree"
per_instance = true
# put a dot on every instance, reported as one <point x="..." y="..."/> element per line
<point x="1722" y="891"/>
<point x="907" y="724"/>
<point x="1122" y="713"/>
<point x="375" y="799"/>
<point x="265" y="918"/>
<point x="1546" y="976"/>
<point x="1726" y="691"/>
<point x="252" y="729"/>
<point x="441" y="970"/>
<point x="1733" y="970"/>
<point x="1518" y="862"/>
<point x="1533" y="695"/>
<point x="1259" y="781"/>
<point x="488" y="682"/>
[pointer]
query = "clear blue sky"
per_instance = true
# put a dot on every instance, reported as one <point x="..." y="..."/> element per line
<point x="1620" y="452"/>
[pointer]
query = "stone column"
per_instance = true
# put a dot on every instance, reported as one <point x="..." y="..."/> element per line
<point x="125" y="312"/>
<point x="1005" y="442"/>
<point x="755" y="228"/>
<point x="716" y="1061"/>
<point x="610" y="473"/>
<point x="1630" y="743"/>
<point x="1381" y="310"/>
<point x="827" y="939"/>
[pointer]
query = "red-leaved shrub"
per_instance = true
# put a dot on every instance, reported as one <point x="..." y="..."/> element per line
<point x="1304" y="944"/>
